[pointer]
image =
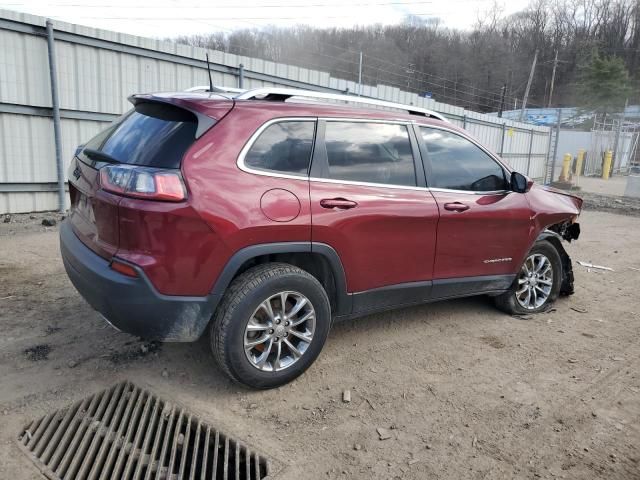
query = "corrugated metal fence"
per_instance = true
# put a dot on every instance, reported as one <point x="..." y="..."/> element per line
<point x="98" y="69"/>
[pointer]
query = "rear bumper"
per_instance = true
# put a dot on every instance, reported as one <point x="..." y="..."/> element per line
<point x="132" y="305"/>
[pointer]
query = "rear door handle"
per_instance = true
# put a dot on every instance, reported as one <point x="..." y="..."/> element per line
<point x="456" y="207"/>
<point x="340" y="203"/>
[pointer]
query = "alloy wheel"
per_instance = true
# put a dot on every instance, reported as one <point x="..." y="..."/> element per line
<point x="535" y="282"/>
<point x="279" y="331"/>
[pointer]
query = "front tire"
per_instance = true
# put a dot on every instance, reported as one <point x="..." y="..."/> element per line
<point x="537" y="284"/>
<point x="271" y="325"/>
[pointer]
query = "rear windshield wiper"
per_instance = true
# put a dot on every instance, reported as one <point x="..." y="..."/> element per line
<point x="100" y="156"/>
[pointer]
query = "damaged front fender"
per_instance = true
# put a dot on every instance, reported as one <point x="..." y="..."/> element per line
<point x="555" y="218"/>
<point x="566" y="287"/>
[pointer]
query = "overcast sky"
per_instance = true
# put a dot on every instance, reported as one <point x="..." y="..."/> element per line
<point x="166" y="18"/>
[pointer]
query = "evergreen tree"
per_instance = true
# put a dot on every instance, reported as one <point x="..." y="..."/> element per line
<point x="605" y="84"/>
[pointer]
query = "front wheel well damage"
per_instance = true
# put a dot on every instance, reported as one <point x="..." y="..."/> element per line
<point x="554" y="237"/>
<point x="568" y="230"/>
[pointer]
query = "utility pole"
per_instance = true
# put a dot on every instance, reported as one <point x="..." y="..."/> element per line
<point x="553" y="79"/>
<point x="504" y="91"/>
<point x="360" y="76"/>
<point x="526" y="92"/>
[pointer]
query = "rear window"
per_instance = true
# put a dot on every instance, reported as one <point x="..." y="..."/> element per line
<point x="151" y="135"/>
<point x="283" y="147"/>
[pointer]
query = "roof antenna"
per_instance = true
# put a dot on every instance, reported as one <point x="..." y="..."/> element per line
<point x="211" y="88"/>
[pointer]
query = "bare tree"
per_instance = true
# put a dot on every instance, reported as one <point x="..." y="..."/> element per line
<point x="466" y="68"/>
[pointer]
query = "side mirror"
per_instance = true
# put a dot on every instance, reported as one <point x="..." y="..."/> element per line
<point x="519" y="183"/>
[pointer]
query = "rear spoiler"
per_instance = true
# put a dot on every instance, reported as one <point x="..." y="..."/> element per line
<point x="205" y="122"/>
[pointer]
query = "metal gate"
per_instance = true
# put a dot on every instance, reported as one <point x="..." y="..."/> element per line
<point x="615" y="136"/>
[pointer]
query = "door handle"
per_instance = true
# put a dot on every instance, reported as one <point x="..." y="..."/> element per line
<point x="340" y="203"/>
<point x="456" y="207"/>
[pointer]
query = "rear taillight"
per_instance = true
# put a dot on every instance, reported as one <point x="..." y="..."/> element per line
<point x="143" y="182"/>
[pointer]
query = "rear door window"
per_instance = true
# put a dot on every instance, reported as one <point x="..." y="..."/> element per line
<point x="151" y="135"/>
<point x="283" y="147"/>
<point x="370" y="152"/>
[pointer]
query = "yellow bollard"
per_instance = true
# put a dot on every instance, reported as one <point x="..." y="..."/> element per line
<point x="566" y="166"/>
<point x="579" y="162"/>
<point x="606" y="166"/>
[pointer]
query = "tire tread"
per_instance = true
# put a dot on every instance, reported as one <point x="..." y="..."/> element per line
<point x="238" y="291"/>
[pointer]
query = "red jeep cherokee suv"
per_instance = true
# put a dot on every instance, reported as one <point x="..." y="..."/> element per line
<point x="265" y="220"/>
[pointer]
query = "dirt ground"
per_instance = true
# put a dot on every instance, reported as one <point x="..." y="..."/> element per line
<point x="464" y="390"/>
<point x="615" y="185"/>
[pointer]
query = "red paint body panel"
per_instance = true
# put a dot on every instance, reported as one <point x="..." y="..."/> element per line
<point x="172" y="244"/>
<point x="209" y="104"/>
<point x="94" y="212"/>
<point x="280" y="205"/>
<point x="496" y="226"/>
<point x="228" y="199"/>
<point x="550" y="206"/>
<point x="392" y="236"/>
<point x="388" y="238"/>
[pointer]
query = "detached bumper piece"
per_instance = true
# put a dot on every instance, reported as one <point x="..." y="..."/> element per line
<point x="132" y="305"/>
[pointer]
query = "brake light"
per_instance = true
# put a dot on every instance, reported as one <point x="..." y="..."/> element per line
<point x="143" y="182"/>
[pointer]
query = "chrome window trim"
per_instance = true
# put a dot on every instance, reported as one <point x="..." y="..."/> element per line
<point x="464" y="135"/>
<point x="470" y="192"/>
<point x="506" y="169"/>
<point x="366" y="184"/>
<point x="241" y="165"/>
<point x="270" y="173"/>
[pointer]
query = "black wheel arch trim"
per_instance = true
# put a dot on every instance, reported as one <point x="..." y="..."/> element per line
<point x="343" y="300"/>
<point x="546" y="234"/>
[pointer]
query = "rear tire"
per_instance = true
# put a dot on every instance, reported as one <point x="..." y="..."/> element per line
<point x="258" y="343"/>
<point x="531" y="291"/>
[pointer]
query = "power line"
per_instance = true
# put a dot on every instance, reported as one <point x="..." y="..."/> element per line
<point x="455" y="82"/>
<point x="462" y="91"/>
<point x="439" y="96"/>
<point x="245" y="20"/>
<point x="173" y="19"/>
<point x="477" y="98"/>
<point x="212" y="7"/>
<point x="422" y="81"/>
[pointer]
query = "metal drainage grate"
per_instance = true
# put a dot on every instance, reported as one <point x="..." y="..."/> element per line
<point x="125" y="432"/>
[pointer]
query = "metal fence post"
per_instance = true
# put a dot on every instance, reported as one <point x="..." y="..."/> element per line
<point x="529" y="155"/>
<point x="504" y="129"/>
<point x="555" y="146"/>
<point x="56" y="115"/>
<point x="464" y="121"/>
<point x="241" y="76"/>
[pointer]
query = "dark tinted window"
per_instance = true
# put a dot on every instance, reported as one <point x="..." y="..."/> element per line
<point x="153" y="135"/>
<point x="283" y="147"/>
<point x="370" y="152"/>
<point x="459" y="164"/>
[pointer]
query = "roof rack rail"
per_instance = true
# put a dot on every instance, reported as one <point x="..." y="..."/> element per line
<point x="217" y="88"/>
<point x="282" y="94"/>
